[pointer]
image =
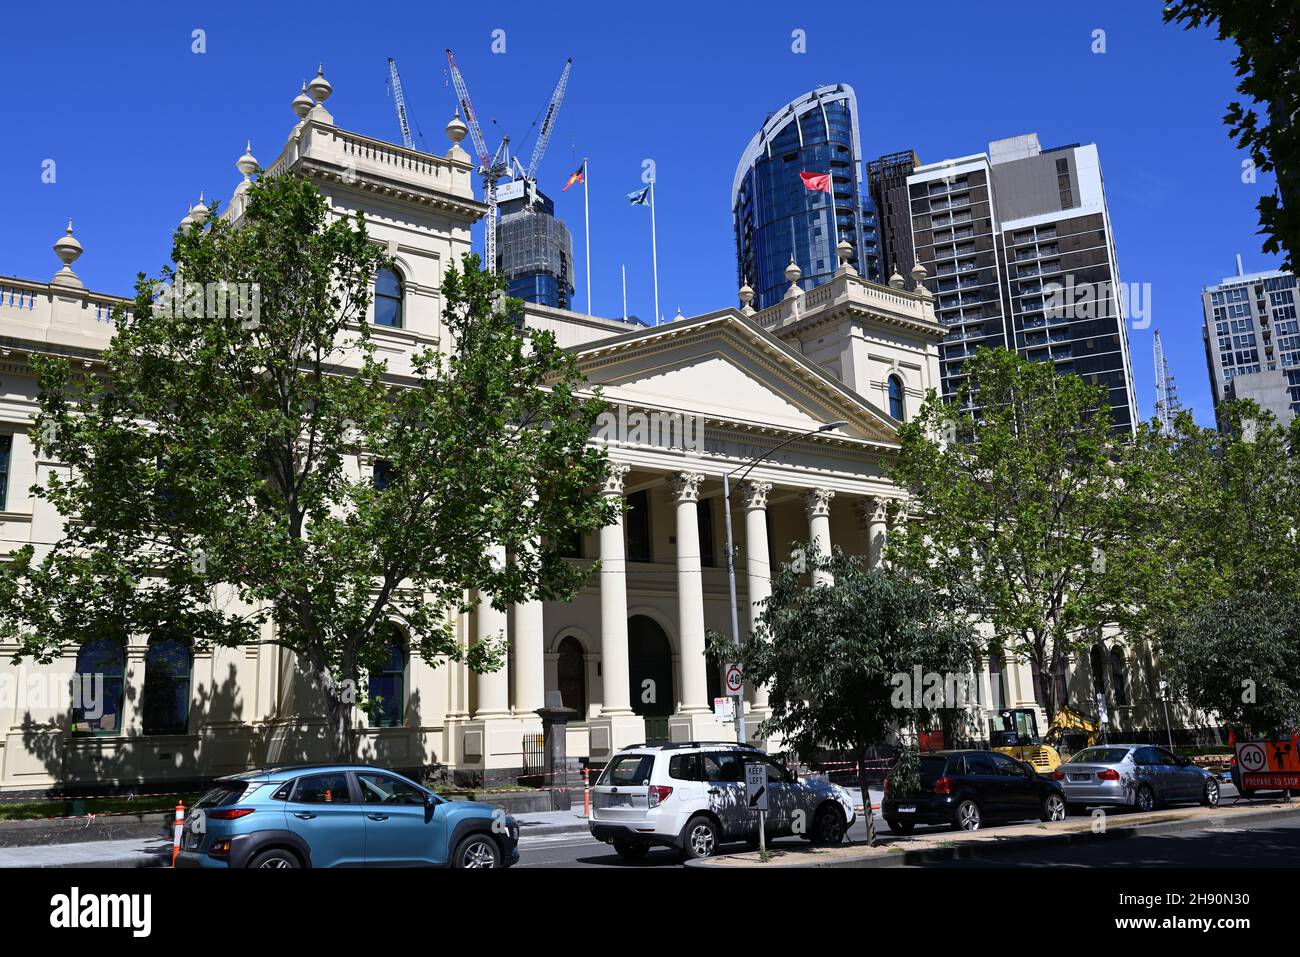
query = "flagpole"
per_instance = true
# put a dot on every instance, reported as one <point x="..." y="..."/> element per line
<point x="586" y="226"/>
<point x="835" y="223"/>
<point x="624" y="267"/>
<point x="654" y="249"/>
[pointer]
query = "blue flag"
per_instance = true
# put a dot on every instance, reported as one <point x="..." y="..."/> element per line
<point x="640" y="197"/>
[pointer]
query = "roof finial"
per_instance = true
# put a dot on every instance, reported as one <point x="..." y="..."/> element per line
<point x="68" y="250"/>
<point x="302" y="103"/>
<point x="746" y="296"/>
<point x="845" y="253"/>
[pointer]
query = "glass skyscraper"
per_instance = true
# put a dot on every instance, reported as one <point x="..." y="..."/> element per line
<point x="776" y="216"/>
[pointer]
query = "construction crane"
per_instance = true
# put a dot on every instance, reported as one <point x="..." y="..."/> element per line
<point x="399" y="101"/>
<point x="1167" y="404"/>
<point x="544" y="132"/>
<point x="491" y="167"/>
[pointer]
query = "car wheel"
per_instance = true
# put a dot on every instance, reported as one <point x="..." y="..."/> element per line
<point x="828" y="826"/>
<point x="1146" y="799"/>
<point x="630" y="851"/>
<point x="701" y="838"/>
<point x="275" y="858"/>
<point x="1211" y="796"/>
<point x="477" y="851"/>
<point x="1054" y="808"/>
<point x="966" y="817"/>
<point x="901" y="827"/>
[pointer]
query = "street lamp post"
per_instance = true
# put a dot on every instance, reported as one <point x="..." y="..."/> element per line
<point x="731" y="551"/>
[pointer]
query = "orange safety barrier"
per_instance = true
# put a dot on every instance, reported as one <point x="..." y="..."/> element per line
<point x="176" y="834"/>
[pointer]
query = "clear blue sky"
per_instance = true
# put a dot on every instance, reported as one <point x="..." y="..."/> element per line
<point x="138" y="124"/>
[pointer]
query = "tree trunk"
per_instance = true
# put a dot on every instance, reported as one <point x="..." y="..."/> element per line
<point x="866" y="797"/>
<point x="338" y="711"/>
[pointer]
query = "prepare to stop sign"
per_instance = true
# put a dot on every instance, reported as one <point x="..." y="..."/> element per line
<point x="734" y="681"/>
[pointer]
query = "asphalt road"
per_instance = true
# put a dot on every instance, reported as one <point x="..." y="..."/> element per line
<point x="581" y="850"/>
<point x="1274" y="844"/>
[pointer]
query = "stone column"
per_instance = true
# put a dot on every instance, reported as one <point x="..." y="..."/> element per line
<point x="758" y="568"/>
<point x="818" y="503"/>
<point x="613" y="603"/>
<point x="493" y="686"/>
<point x="873" y="514"/>
<point x="530" y="658"/>
<point x="690" y="593"/>
<point x="616" y="725"/>
<point x="694" y="719"/>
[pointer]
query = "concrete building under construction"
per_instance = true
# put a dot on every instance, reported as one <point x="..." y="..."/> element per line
<point x="534" y="249"/>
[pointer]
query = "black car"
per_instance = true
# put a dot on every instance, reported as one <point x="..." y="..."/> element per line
<point x="967" y="788"/>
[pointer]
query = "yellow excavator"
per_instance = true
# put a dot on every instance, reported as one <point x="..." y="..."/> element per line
<point x="1014" y="731"/>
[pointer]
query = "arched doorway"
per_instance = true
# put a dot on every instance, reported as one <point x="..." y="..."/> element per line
<point x="571" y="675"/>
<point x="650" y="675"/>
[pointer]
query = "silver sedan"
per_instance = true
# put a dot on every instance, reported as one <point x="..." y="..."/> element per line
<point x="1140" y="776"/>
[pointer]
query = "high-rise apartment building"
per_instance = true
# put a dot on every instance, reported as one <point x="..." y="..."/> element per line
<point x="1252" y="340"/>
<point x="1021" y="254"/>
<point x="534" y="249"/>
<point x="777" y="217"/>
<point x="887" y="186"/>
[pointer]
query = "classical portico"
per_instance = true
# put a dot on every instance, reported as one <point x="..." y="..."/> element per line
<point x="687" y="403"/>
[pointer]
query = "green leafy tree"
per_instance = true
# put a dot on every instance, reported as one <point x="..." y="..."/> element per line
<point x="830" y="654"/>
<point x="1213" y="514"/>
<point x="1267" y="35"/>
<point x="1240" y="656"/>
<point x="213" y="487"/>
<point x="1015" y="506"/>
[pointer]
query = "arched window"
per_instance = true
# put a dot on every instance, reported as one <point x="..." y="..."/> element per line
<point x="97" y="695"/>
<point x="896" y="407"/>
<point x="1097" y="661"/>
<point x="388" y="684"/>
<point x="389" y="290"/>
<point x="167" y="667"/>
<point x="571" y="676"/>
<point x="1118" y="676"/>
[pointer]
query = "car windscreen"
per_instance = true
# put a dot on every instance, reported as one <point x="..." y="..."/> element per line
<point x="1099" y="756"/>
<point x="224" y="793"/>
<point x="628" y="770"/>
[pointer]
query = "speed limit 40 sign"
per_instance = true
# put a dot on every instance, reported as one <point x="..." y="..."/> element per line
<point x="735" y="682"/>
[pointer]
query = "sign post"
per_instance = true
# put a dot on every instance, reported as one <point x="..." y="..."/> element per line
<point x="735" y="687"/>
<point x="756" y="798"/>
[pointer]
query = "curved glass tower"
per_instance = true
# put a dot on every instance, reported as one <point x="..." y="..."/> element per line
<point x="776" y="215"/>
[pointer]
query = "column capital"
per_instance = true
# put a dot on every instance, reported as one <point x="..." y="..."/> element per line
<point x="873" y="510"/>
<point x="614" y="475"/>
<point x="818" y="502"/>
<point x="755" y="494"/>
<point x="686" y="486"/>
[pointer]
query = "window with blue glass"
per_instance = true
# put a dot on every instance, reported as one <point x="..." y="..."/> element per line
<point x="168" y="665"/>
<point x="6" y="447"/>
<point x="383" y="474"/>
<point x="388" y="684"/>
<point x="100" y="678"/>
<point x="389" y="291"/>
<point x="896" y="407"/>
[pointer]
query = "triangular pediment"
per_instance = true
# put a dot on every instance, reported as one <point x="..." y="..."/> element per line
<point x="727" y="369"/>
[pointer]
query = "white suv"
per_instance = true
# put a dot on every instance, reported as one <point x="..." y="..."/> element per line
<point x="691" y="796"/>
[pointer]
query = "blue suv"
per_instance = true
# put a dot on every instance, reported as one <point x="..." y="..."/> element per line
<point x="341" y="815"/>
